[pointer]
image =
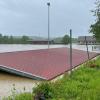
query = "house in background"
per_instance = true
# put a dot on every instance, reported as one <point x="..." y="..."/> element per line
<point x="90" y="40"/>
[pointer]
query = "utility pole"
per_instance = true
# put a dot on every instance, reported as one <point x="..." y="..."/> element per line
<point x="48" y="4"/>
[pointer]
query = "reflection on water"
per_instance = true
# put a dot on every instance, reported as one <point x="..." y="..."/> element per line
<point x="23" y="47"/>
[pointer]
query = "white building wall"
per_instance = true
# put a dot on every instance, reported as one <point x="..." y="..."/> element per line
<point x="8" y="82"/>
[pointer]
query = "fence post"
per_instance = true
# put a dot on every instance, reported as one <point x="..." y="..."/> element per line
<point x="87" y="48"/>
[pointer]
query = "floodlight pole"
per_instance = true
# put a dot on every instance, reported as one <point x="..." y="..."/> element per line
<point x="70" y="49"/>
<point x="48" y="4"/>
<point x="87" y="48"/>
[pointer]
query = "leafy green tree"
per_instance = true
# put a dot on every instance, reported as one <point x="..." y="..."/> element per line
<point x="65" y="39"/>
<point x="5" y="39"/>
<point x="0" y="38"/>
<point x="11" y="40"/>
<point x="95" y="28"/>
<point x="24" y="39"/>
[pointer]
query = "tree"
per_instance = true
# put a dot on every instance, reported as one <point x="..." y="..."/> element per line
<point x="0" y="38"/>
<point x="95" y="28"/>
<point x="65" y="39"/>
<point x="24" y="39"/>
<point x="11" y="40"/>
<point x="5" y="39"/>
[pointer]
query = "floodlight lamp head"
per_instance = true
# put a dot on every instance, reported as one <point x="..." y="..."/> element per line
<point x="48" y="3"/>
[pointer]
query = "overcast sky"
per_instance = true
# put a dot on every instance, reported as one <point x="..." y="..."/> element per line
<point x="29" y="17"/>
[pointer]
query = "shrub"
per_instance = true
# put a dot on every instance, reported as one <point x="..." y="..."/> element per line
<point x="92" y="64"/>
<point x="45" y="89"/>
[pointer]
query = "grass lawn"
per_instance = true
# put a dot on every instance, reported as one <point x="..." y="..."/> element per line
<point x="82" y="84"/>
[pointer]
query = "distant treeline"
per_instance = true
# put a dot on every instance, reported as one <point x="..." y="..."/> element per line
<point x="13" y="40"/>
<point x="4" y="39"/>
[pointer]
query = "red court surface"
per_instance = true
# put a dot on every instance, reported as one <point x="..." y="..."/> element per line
<point x="43" y="64"/>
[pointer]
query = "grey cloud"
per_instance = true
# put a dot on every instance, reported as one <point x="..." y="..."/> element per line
<point x="18" y="17"/>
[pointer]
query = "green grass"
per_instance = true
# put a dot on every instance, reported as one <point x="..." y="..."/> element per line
<point x="82" y="84"/>
<point x="98" y="60"/>
<point x="22" y="96"/>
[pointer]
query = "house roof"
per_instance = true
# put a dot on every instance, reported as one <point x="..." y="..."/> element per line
<point x="41" y="64"/>
<point x="42" y="39"/>
<point x="88" y="38"/>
